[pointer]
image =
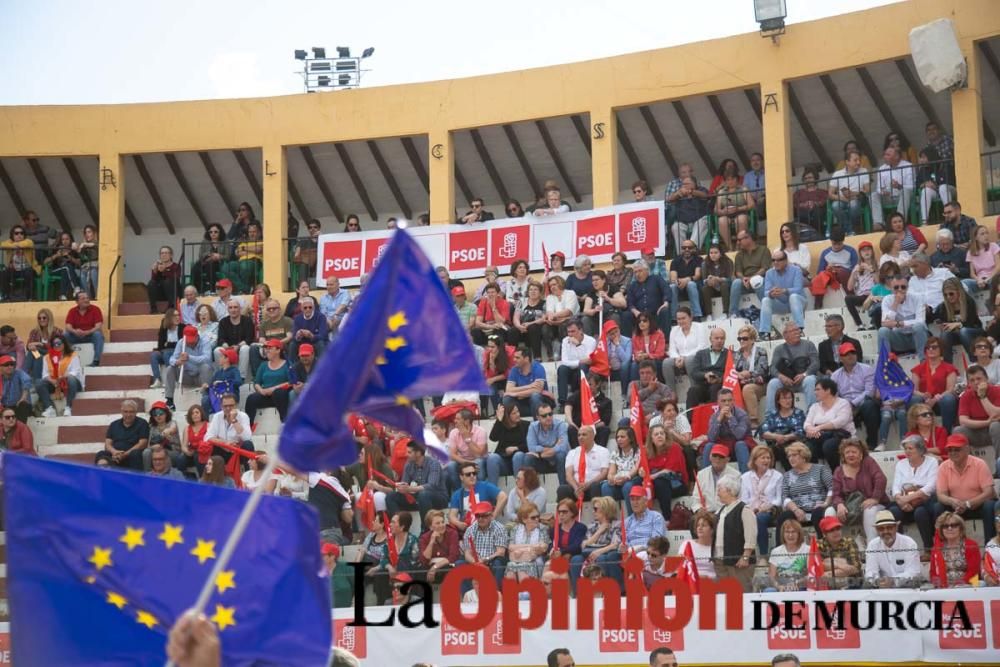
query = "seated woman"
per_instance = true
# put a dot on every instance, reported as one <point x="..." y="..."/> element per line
<point x="38" y="342"/>
<point x="733" y="204"/>
<point x="438" y="546"/>
<point x="600" y="547"/>
<point x="194" y="442"/>
<point x="679" y="431"/>
<point x="247" y="261"/>
<point x="809" y="201"/>
<point x="959" y="318"/>
<point x="703" y="531"/>
<point x="64" y="263"/>
<point x="214" y="250"/>
<point x="170" y="332"/>
<point x="933" y="385"/>
<point x="991" y="556"/>
<point x="510" y="432"/>
<point x="406" y="559"/>
<point x="829" y="420"/>
<point x="215" y="473"/>
<point x="806" y="488"/>
<point x="752" y="370"/>
<point x="566" y="536"/>
<point x="251" y="479"/>
<point x="163" y="431"/>
<point x="649" y="343"/>
<point x="292" y="308"/>
<point x="761" y="492"/>
<point x="271" y="385"/>
<point x="891" y="246"/>
<point x="912" y="240"/>
<point x="88" y="250"/>
<point x="914" y="482"/>
<point x="527" y="489"/>
<point x="982" y="355"/>
<point x="17" y="279"/>
<point x="561" y="305"/>
<point x="207" y="323"/>
<point x="961" y="553"/>
<point x="605" y="301"/>
<point x="496" y="366"/>
<point x="62" y="376"/>
<point x="529" y="319"/>
<point x="164" y="280"/>
<point x="527" y="544"/>
<point x="783" y="426"/>
<point x="983" y="263"/>
<point x="858" y="488"/>
<point x="623" y="472"/>
<point x="668" y="468"/>
<point x="788" y="561"/>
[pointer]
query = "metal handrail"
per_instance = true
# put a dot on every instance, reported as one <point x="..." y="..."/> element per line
<point x="111" y="277"/>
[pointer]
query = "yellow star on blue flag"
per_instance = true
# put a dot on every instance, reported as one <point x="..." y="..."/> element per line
<point x="111" y="559"/>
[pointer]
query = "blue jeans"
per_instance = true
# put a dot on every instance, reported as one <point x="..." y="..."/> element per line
<point x="741" y="449"/>
<point x="529" y="406"/>
<point x="808" y="388"/>
<point x="623" y="375"/>
<point x="45" y="389"/>
<point x="693" y="292"/>
<point x="609" y="562"/>
<point x="619" y="493"/>
<point x="33" y="367"/>
<point x="736" y="293"/>
<point x="96" y="338"/>
<point x="159" y="358"/>
<point x="903" y="339"/>
<point x="796" y="304"/>
<point x="887" y="414"/>
<point x="848" y="214"/>
<point x="763" y="523"/>
<point x="556" y="464"/>
<point x="567" y="377"/>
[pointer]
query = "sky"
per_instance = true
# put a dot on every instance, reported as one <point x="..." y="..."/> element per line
<point x="118" y="51"/>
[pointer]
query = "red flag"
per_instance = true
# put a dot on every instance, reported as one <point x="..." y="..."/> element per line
<point x="545" y="260"/>
<point x="731" y="380"/>
<point x="599" y="362"/>
<point x="965" y="360"/>
<point x="938" y="573"/>
<point x="637" y="420"/>
<point x="588" y="406"/>
<point x="701" y="415"/>
<point x="815" y="568"/>
<point x="469" y="517"/>
<point x="989" y="567"/>
<point x="687" y="573"/>
<point x="233" y="470"/>
<point x="701" y="494"/>
<point x="555" y="542"/>
<point x="581" y="466"/>
<point x="390" y="542"/>
<point x="621" y="516"/>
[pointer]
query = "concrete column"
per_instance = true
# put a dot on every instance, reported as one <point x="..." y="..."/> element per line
<point x="111" y="230"/>
<point x="967" y="121"/>
<point x="442" y="176"/>
<point x="275" y="216"/>
<point x="776" y="116"/>
<point x="604" y="157"/>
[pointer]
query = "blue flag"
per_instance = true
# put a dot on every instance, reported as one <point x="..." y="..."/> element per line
<point x="402" y="341"/>
<point x="102" y="562"/>
<point x="890" y="378"/>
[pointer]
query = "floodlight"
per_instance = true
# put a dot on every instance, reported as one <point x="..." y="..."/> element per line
<point x="770" y="14"/>
<point x="368" y="53"/>
<point x="300" y="54"/>
<point x="343" y="52"/>
<point x="319" y="52"/>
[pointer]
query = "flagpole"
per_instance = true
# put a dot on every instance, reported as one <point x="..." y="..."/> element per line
<point x="242" y="522"/>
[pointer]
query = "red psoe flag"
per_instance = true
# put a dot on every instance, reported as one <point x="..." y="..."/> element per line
<point x="731" y="381"/>
<point x="688" y="570"/>
<point x="588" y="406"/>
<point x="637" y="420"/>
<point x="938" y="573"/>
<point x="815" y="568"/>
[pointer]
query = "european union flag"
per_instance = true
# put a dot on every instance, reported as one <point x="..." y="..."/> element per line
<point x="402" y="341"/>
<point x="101" y="563"/>
<point x="890" y="378"/>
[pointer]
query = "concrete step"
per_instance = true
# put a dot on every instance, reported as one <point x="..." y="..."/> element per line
<point x="121" y="335"/>
<point x="107" y="382"/>
<point x="77" y="434"/>
<point x="137" y="346"/>
<point x="124" y="359"/>
<point x="137" y="308"/>
<point x="83" y="458"/>
<point x="83" y="406"/>
<point x="138" y="369"/>
<point x="146" y="321"/>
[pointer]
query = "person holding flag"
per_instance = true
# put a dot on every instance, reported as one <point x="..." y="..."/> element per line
<point x="697" y="551"/>
<point x="485" y="541"/>
<point x="729" y="427"/>
<point x="586" y="468"/>
<point x="593" y="387"/>
<point x="604" y="303"/>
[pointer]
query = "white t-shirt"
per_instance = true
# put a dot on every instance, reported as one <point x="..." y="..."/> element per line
<point x="799" y="257"/>
<point x="702" y="557"/>
<point x="789" y="564"/>
<point x="598" y="458"/>
<point x="853" y="182"/>
<point x="686" y="345"/>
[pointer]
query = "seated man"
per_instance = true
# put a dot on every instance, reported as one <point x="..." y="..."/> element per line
<point x="190" y="364"/>
<point x="947" y="255"/>
<point x="548" y="444"/>
<point x="304" y="256"/>
<point x="837" y="262"/>
<point x="965" y="486"/>
<point x="229" y="426"/>
<point x="15" y="387"/>
<point x="576" y="350"/>
<point x="235" y="333"/>
<point x="594" y="468"/>
<point x="752" y="262"/>
<point x="705" y="369"/>
<point x="782" y="293"/>
<point x="689" y="205"/>
<point x="651" y="391"/>
<point x="485" y="541"/>
<point x="126" y="438"/>
<point x="894" y="182"/>
<point x="856" y="385"/>
<point x="903" y="320"/>
<point x="642" y="525"/>
<point x="334" y="304"/>
<point x="469" y="494"/>
<point x="926" y="283"/>
<point x="841" y="558"/>
<point x="476" y="213"/>
<point x="573" y="411"/>
<point x="309" y="327"/>
<point x="84" y="324"/>
<point x="467" y="444"/>
<point x="224" y="289"/>
<point x="829" y="349"/>
<point x="729" y="428"/>
<point x="794" y="364"/>
<point x="647" y="293"/>
<point x="189" y="306"/>
<point x="979" y="413"/>
<point x="160" y="465"/>
<point x="891" y="560"/>
<point x="961" y="226"/>
<point x="685" y="275"/>
<point x="422" y="485"/>
<point x="619" y="354"/>
<point x="273" y="326"/>
<point x="848" y="191"/>
<point x="526" y="382"/>
<point x="706" y="494"/>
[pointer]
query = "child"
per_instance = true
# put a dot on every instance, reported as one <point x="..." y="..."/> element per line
<point x="861" y="282"/>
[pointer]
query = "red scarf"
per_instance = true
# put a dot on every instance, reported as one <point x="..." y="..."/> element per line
<point x="58" y="363"/>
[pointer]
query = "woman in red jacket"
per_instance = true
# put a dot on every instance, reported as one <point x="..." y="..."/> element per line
<point x="961" y="554"/>
<point x="15" y="436"/>
<point x="648" y="343"/>
<point x="667" y="466"/>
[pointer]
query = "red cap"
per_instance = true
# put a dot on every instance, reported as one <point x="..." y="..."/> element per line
<point x="846" y="348"/>
<point x="7" y="359"/>
<point x="190" y="332"/>
<point x="608" y="326"/>
<point x="719" y="450"/>
<point x="306" y="348"/>
<point x="402" y="577"/>
<point x="865" y="244"/>
<point x="330" y="549"/>
<point x="558" y="253"/>
<point x="637" y="492"/>
<point x="224" y="282"/>
<point x="458" y="290"/>
<point x="231" y="354"/>
<point x="482" y="508"/>
<point x="955" y="441"/>
<point x="273" y="342"/>
<point x="829" y="523"/>
<point x="649" y="250"/>
<point x="159" y="405"/>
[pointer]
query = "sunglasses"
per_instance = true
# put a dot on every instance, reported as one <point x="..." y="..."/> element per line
<point x="951" y="525"/>
<point x="273" y="308"/>
<point x="743" y="339"/>
<point x="17" y="233"/>
<point x="543" y="415"/>
<point x="899" y="288"/>
<point x="469" y="474"/>
<point x="926" y="414"/>
<point x="15" y="417"/>
<point x="534" y="517"/>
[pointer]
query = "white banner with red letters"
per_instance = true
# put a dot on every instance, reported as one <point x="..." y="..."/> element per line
<point x="445" y="646"/>
<point x="466" y="250"/>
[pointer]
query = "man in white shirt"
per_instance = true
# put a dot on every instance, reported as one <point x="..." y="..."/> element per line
<point x="683" y="344"/>
<point x="576" y="350"/>
<point x="848" y="187"/>
<point x="598" y="460"/>
<point x="706" y="494"/>
<point x="926" y="283"/>
<point x="892" y="560"/>
<point x="230" y="426"/>
<point x="904" y="320"/>
<point x="893" y="185"/>
<point x="224" y="287"/>
<point x="189" y="306"/>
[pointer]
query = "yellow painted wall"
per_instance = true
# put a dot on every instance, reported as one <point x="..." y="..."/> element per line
<point x="436" y="109"/>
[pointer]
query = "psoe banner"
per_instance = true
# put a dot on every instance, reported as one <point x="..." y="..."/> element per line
<point x="466" y="250"/>
<point x="799" y="630"/>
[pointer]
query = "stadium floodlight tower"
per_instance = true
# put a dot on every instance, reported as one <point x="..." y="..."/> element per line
<point x="770" y="14"/>
<point x="320" y="73"/>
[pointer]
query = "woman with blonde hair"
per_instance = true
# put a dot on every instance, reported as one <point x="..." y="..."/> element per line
<point x="788" y="562"/>
<point x="750" y="364"/>
<point x="891" y="246"/>
<point x="527" y="545"/>
<point x="761" y="492"/>
<point x="438" y="546"/>
<point x="959" y="318"/>
<point x="961" y="553"/>
<point x="806" y="488"/>
<point x="982" y="259"/>
<point x="601" y="544"/>
<point x="920" y="421"/>
<point x="38" y="342"/>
